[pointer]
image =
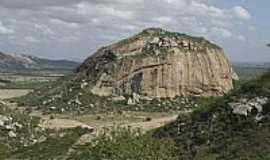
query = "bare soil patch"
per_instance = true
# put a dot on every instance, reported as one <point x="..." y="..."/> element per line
<point x="12" y="93"/>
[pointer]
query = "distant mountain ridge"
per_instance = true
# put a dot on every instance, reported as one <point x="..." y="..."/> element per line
<point x="251" y="70"/>
<point x="22" y="62"/>
<point x="264" y="65"/>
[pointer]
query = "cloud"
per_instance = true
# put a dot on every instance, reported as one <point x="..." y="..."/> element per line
<point x="241" y="13"/>
<point x="75" y="28"/>
<point x="90" y="9"/>
<point x="31" y="4"/>
<point x="5" y="30"/>
<point x="241" y="38"/>
<point x="164" y="19"/>
<point x="30" y="39"/>
<point x="60" y="22"/>
<point x="221" y="31"/>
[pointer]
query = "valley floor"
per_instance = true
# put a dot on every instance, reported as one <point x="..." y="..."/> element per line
<point x="144" y="121"/>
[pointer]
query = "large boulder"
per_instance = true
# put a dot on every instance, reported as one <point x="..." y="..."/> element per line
<point x="158" y="63"/>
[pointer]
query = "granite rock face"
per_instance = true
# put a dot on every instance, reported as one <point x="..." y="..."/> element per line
<point x="158" y="63"/>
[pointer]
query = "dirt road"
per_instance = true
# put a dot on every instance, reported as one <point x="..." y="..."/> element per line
<point x="144" y="126"/>
<point x="154" y="123"/>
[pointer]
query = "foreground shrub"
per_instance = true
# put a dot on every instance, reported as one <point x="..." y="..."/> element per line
<point x="125" y="144"/>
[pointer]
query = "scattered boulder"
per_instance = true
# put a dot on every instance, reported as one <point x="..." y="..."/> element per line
<point x="130" y="101"/>
<point x="83" y="85"/>
<point x="12" y="134"/>
<point x="118" y="98"/>
<point x="245" y="106"/>
<point x="136" y="98"/>
<point x="88" y="128"/>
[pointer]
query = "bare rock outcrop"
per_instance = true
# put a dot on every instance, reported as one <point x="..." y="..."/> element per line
<point x="158" y="63"/>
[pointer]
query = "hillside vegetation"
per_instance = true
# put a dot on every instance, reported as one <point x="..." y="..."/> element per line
<point x="67" y="95"/>
<point x="235" y="126"/>
<point x="232" y="127"/>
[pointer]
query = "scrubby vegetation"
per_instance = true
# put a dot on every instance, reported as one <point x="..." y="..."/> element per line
<point x="67" y="95"/>
<point x="16" y="130"/>
<point x="55" y="147"/>
<point x="22" y="137"/>
<point x="212" y="131"/>
<point x="123" y="144"/>
<point x="216" y="132"/>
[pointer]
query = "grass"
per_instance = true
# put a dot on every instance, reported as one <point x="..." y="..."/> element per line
<point x="4" y="151"/>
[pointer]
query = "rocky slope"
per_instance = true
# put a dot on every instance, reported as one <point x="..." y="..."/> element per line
<point x="158" y="63"/>
<point x="23" y="136"/>
<point x="232" y="127"/>
<point x="16" y="62"/>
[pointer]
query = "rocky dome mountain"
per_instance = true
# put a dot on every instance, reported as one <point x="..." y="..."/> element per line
<point x="21" y="62"/>
<point x="159" y="63"/>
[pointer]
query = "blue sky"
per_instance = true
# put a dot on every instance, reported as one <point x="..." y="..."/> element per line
<point x="74" y="29"/>
<point x="260" y="13"/>
<point x="259" y="9"/>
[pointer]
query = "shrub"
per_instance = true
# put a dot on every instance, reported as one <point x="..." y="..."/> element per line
<point x="123" y="144"/>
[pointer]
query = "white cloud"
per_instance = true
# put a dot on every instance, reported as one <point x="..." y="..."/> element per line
<point x="64" y="24"/>
<point x="5" y="30"/>
<point x="241" y="38"/>
<point x="86" y="25"/>
<point x="44" y="29"/>
<point x="205" y="10"/>
<point x="128" y="27"/>
<point x="115" y="12"/>
<point x="221" y="32"/>
<point x="176" y="3"/>
<point x="164" y="19"/>
<point x="89" y="9"/>
<point x="31" y="39"/>
<point x="241" y="12"/>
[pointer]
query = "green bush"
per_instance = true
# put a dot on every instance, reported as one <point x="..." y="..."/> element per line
<point x="125" y="144"/>
<point x="55" y="147"/>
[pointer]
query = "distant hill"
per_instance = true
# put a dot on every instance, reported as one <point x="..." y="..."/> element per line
<point x="250" y="70"/>
<point x="22" y="62"/>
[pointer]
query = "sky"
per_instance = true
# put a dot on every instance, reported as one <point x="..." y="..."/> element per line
<point x="75" y="29"/>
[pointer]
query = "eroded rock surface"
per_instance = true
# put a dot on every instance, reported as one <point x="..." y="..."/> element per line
<point x="158" y="63"/>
